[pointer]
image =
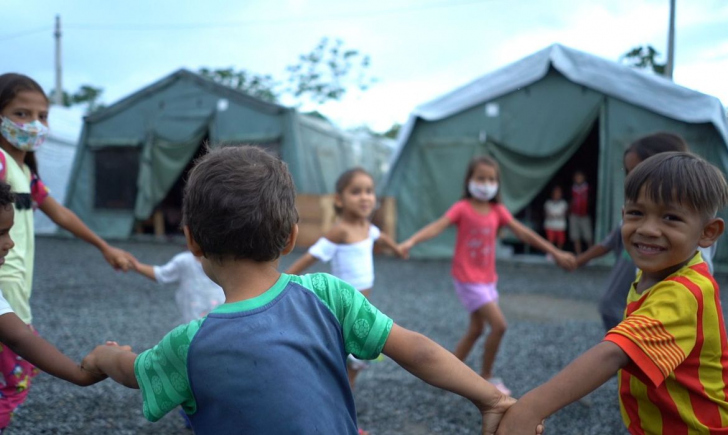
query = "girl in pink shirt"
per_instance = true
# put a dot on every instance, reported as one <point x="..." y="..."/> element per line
<point x="478" y="217"/>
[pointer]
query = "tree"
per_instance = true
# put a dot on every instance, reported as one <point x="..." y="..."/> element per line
<point x="86" y="94"/>
<point x="644" y="57"/>
<point x="259" y="86"/>
<point x="393" y="131"/>
<point x="324" y="74"/>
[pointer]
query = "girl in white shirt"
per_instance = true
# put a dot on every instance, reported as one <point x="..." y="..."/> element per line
<point x="349" y="243"/>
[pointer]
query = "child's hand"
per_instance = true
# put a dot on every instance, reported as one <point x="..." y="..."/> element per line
<point x="493" y="416"/>
<point x="89" y="364"/>
<point x="118" y="258"/>
<point x="566" y="260"/>
<point x="404" y="249"/>
<point x="519" y="420"/>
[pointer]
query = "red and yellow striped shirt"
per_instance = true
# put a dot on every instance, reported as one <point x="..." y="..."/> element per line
<point x="674" y="334"/>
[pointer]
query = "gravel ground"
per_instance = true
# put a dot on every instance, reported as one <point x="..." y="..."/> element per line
<point x="80" y="302"/>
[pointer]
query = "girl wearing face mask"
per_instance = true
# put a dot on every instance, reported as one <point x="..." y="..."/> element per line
<point x="478" y="216"/>
<point x="23" y="128"/>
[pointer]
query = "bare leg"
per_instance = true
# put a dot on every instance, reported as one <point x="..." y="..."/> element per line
<point x="475" y="330"/>
<point x="577" y="246"/>
<point x="491" y="314"/>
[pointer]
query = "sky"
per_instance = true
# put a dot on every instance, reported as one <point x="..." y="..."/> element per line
<point x="419" y="49"/>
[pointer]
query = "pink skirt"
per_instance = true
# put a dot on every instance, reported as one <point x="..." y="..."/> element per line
<point x="474" y="295"/>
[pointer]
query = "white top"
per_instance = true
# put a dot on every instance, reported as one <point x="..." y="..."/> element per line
<point x="196" y="294"/>
<point x="353" y="262"/>
<point x="555" y="215"/>
<point x="4" y="306"/>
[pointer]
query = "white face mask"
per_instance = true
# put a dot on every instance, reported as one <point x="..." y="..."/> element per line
<point x="483" y="191"/>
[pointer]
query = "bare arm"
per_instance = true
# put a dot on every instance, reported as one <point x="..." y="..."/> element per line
<point x="595" y="251"/>
<point x="389" y="243"/>
<point x="114" y="361"/>
<point x="15" y="334"/>
<point x="433" y="364"/>
<point x="526" y="235"/>
<point x="432" y="230"/>
<point x="68" y="220"/>
<point x="307" y="260"/>
<point x="144" y="270"/>
<point x="582" y="376"/>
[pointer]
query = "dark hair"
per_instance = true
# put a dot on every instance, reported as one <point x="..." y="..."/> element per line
<point x="662" y="142"/>
<point x="7" y="198"/>
<point x="474" y="162"/>
<point x="345" y="179"/>
<point x="679" y="177"/>
<point x="11" y="84"/>
<point x="240" y="203"/>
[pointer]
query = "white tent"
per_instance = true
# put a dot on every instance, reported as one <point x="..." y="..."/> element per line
<point x="55" y="157"/>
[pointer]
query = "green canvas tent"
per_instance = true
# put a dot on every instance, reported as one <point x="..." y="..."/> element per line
<point x="542" y="118"/>
<point x="133" y="156"/>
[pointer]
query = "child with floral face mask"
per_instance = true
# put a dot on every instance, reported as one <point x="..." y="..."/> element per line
<point x="478" y="217"/>
<point x="23" y="128"/>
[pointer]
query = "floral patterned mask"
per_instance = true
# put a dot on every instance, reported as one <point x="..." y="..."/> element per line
<point x="25" y="137"/>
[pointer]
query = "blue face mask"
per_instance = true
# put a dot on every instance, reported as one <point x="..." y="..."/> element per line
<point x="25" y="137"/>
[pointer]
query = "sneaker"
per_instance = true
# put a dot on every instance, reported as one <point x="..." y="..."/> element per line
<point x="356" y="363"/>
<point x="498" y="383"/>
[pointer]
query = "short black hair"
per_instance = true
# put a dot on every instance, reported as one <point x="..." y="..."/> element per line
<point x="679" y="177"/>
<point x="240" y="203"/>
<point x="656" y="143"/>
<point x="7" y="198"/>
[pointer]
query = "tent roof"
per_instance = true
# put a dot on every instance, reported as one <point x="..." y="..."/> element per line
<point x="639" y="88"/>
<point x="214" y="87"/>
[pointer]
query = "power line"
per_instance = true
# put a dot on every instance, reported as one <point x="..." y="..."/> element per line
<point x="187" y="26"/>
<point x="26" y="33"/>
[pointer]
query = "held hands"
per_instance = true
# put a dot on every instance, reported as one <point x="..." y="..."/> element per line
<point x="90" y="363"/>
<point x="519" y="421"/>
<point x="566" y="261"/>
<point x="118" y="258"/>
<point x="404" y="248"/>
<point x="493" y="418"/>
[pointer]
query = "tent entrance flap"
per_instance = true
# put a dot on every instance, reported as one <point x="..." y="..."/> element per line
<point x="163" y="161"/>
<point x="585" y="159"/>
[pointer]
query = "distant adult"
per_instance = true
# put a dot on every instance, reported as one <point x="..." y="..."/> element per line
<point x="23" y="128"/>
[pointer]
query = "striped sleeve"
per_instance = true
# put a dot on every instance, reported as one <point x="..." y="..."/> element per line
<point x="364" y="327"/>
<point x="660" y="334"/>
<point x="162" y="373"/>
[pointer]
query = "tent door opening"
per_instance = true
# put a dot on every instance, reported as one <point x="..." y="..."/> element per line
<point x="586" y="160"/>
<point x="166" y="220"/>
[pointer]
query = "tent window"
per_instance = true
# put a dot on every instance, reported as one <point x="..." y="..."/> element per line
<point x="116" y="172"/>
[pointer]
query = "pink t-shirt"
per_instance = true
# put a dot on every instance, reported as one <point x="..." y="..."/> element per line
<point x="474" y="260"/>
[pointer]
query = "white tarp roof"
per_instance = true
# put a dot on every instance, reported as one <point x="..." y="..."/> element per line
<point x="639" y="88"/>
<point x="55" y="157"/>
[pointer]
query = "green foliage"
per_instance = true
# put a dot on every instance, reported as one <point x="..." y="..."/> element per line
<point x="259" y="86"/>
<point x="644" y="57"/>
<point x="86" y="94"/>
<point x="324" y="74"/>
<point x="393" y="131"/>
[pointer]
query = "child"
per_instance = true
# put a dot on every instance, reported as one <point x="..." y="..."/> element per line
<point x="555" y="222"/>
<point x="670" y="350"/>
<point x="349" y="243"/>
<point x="478" y="216"/>
<point x="16" y="335"/>
<point x="23" y="128"/>
<point x="612" y="303"/>
<point x="272" y="359"/>
<point x="580" y="226"/>
<point x="196" y="295"/>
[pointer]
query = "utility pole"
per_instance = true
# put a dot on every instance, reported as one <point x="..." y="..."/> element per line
<point x="58" y="96"/>
<point x="671" y="43"/>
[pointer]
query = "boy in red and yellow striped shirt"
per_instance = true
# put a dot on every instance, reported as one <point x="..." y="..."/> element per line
<point x="670" y="350"/>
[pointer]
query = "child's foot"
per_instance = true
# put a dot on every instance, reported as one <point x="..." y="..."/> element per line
<point x="363" y="432"/>
<point x="498" y="383"/>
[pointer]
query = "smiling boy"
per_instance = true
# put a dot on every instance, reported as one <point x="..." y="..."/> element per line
<point x="670" y="350"/>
